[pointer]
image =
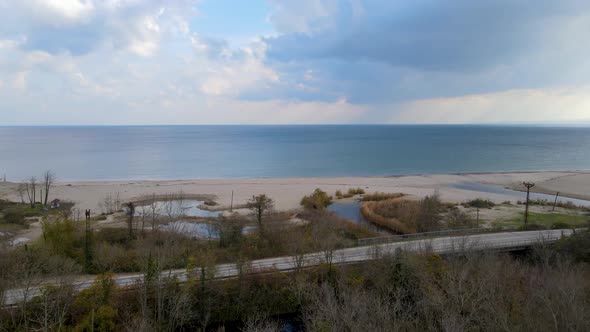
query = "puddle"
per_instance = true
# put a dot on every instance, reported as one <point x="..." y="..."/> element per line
<point x="199" y="230"/>
<point x="518" y="195"/>
<point x="178" y="208"/>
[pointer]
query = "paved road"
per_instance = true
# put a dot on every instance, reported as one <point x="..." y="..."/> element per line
<point x="492" y="241"/>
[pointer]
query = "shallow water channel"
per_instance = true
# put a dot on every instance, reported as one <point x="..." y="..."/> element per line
<point x="186" y="208"/>
<point x="352" y="212"/>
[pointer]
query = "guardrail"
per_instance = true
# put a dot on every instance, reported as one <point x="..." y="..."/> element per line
<point x="291" y="263"/>
<point x="417" y="236"/>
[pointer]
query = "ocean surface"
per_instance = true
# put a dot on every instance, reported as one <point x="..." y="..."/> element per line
<point x="187" y="152"/>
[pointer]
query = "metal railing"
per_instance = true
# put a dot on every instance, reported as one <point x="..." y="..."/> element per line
<point x="425" y="235"/>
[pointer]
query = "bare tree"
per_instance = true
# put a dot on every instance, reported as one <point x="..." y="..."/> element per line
<point x="155" y="208"/>
<point x="260" y="205"/>
<point x="48" y="180"/>
<point x="31" y="189"/>
<point x="20" y="190"/>
<point x="110" y="203"/>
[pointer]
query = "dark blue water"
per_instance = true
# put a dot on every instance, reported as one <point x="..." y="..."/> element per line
<point x="182" y="152"/>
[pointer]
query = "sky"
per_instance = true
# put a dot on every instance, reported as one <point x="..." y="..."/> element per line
<point x="119" y="62"/>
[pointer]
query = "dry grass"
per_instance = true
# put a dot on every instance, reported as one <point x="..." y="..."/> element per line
<point x="374" y="197"/>
<point x="386" y="214"/>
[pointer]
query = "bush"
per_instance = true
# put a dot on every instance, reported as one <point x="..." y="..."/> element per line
<point x="561" y="225"/>
<point x="319" y="200"/>
<point x="459" y="219"/>
<point x="480" y="203"/>
<point x="531" y="227"/>
<point x="356" y="191"/>
<point x="14" y="215"/>
<point x="576" y="246"/>
<point x="60" y="236"/>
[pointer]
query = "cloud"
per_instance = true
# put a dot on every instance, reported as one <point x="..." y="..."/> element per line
<point x="390" y="51"/>
<point x="553" y="105"/>
<point x="82" y="26"/>
<point x="327" y="61"/>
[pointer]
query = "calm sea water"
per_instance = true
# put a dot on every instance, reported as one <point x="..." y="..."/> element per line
<point x="182" y="152"/>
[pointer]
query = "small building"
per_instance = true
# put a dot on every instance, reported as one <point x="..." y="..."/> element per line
<point x="55" y="203"/>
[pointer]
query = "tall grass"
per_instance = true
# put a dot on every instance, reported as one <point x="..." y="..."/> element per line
<point x="374" y="197"/>
<point x="381" y="213"/>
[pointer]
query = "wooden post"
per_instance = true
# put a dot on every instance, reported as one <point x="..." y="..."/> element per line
<point x="477" y="220"/>
<point x="555" y="203"/>
<point x="231" y="205"/>
<point x="528" y="186"/>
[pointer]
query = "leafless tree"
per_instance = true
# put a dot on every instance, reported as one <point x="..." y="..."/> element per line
<point x="31" y="189"/>
<point x="48" y="180"/>
<point x="144" y="212"/>
<point x="155" y="209"/>
<point x="21" y="190"/>
<point x="110" y="203"/>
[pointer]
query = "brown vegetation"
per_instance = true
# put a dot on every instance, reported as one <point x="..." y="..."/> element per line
<point x="544" y="291"/>
<point x="405" y="216"/>
<point x="374" y="197"/>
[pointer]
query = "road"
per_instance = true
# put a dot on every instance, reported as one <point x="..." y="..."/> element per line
<point x="491" y="241"/>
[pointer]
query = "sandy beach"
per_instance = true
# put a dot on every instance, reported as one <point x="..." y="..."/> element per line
<point x="287" y="192"/>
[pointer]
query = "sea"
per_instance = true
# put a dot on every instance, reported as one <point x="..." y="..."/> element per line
<point x="100" y="153"/>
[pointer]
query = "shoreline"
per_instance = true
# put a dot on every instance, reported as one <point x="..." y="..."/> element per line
<point x="287" y="192"/>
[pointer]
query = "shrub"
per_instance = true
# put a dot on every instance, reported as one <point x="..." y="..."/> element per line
<point x="356" y="191"/>
<point x="480" y="203"/>
<point x="60" y="236"/>
<point x="459" y="219"/>
<point x="531" y="227"/>
<point x="319" y="200"/>
<point x="560" y="225"/>
<point x="14" y="215"/>
<point x="381" y="196"/>
<point x="576" y="246"/>
<point x="338" y="194"/>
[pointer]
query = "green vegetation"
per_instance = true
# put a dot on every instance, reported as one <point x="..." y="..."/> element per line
<point x="479" y="203"/>
<point x="13" y="216"/>
<point x="565" y="205"/>
<point x="547" y="220"/>
<point x="112" y="250"/>
<point x="318" y="200"/>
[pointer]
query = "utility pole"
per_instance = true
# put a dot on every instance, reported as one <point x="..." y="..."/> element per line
<point x="528" y="186"/>
<point x="555" y="203"/>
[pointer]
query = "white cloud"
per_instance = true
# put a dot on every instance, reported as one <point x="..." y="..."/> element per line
<point x="564" y="105"/>
<point x="19" y="81"/>
<point x="59" y="12"/>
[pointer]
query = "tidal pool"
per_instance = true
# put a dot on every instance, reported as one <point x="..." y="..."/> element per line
<point x="178" y="208"/>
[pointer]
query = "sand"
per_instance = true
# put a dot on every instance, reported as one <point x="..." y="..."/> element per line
<point x="287" y="192"/>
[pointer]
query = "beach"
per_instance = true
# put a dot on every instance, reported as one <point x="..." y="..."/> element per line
<point x="287" y="192"/>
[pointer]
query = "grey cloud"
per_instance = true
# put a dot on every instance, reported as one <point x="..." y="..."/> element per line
<point x="424" y="49"/>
